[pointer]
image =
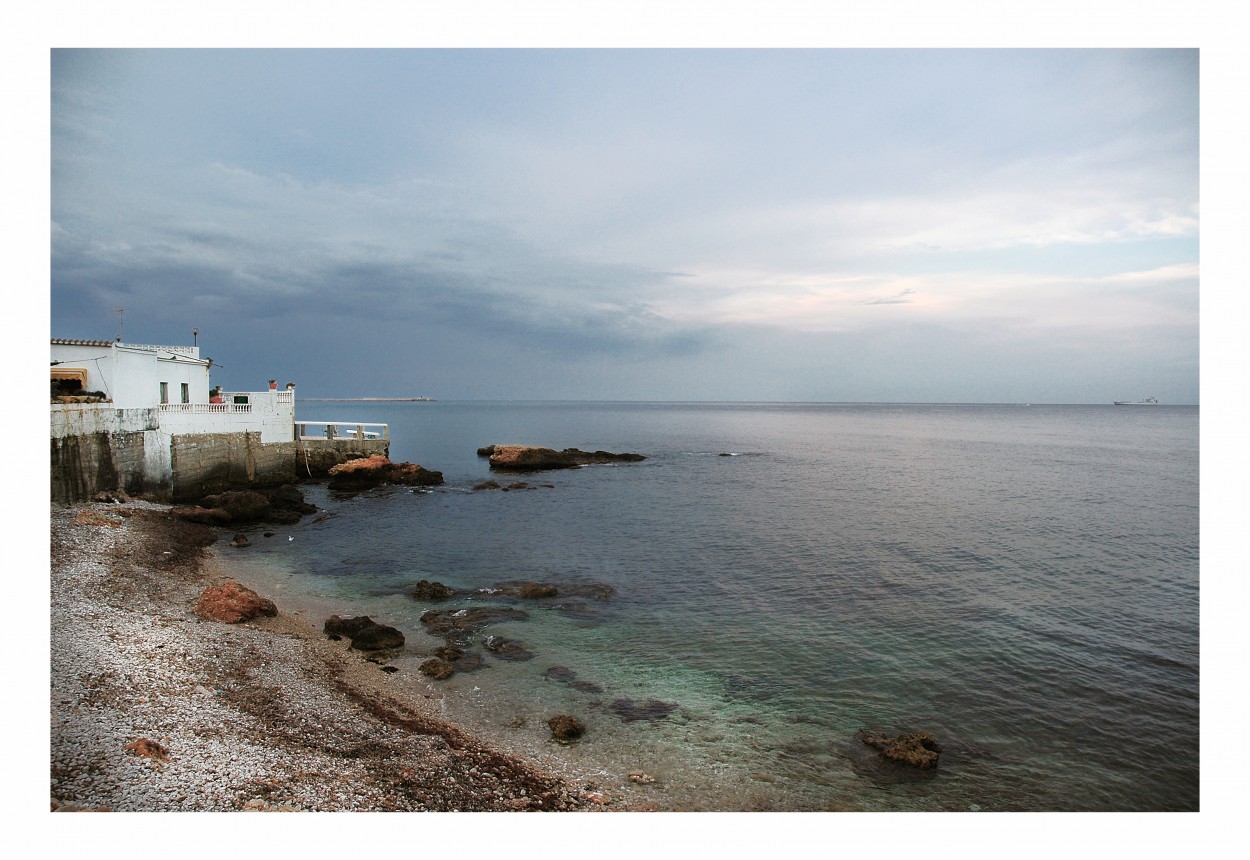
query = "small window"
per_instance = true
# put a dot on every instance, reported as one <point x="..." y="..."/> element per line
<point x="186" y="392"/>
<point x="241" y="399"/>
<point x="164" y="392"/>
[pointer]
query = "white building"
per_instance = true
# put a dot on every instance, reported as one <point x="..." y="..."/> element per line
<point x="132" y="376"/>
<point x="144" y="418"/>
<point x="172" y="380"/>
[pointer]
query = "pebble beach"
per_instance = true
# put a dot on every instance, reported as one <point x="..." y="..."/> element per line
<point x="154" y="708"/>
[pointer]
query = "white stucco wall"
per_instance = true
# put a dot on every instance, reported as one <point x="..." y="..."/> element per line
<point x="131" y="374"/>
<point x="96" y="360"/>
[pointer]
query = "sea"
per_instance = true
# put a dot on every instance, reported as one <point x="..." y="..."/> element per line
<point x="774" y="580"/>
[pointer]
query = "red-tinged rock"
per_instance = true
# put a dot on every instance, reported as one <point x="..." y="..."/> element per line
<point x="530" y="458"/>
<point x="233" y="603"/>
<point x="147" y="748"/>
<point x="88" y="517"/>
<point x="366" y="472"/>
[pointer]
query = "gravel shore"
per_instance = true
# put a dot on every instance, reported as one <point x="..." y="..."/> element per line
<point x="156" y="709"/>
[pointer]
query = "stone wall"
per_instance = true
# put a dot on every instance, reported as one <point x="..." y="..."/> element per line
<point x="206" y="463"/>
<point x="189" y="466"/>
<point x="84" y="465"/>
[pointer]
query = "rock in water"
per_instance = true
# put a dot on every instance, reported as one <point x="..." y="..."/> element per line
<point x="233" y="603"/>
<point x="915" y="749"/>
<point x="426" y="590"/>
<point x="531" y="458"/>
<point x="565" y="728"/>
<point x="437" y="668"/>
<point x="365" y="633"/>
<point x="366" y="472"/>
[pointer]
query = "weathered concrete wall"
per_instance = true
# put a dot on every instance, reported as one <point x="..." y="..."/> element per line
<point x="85" y="419"/>
<point x="205" y="463"/>
<point x="84" y="465"/>
<point x="184" y="467"/>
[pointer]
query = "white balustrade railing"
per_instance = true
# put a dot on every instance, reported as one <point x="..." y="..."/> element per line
<point x="354" y="430"/>
<point x="206" y="408"/>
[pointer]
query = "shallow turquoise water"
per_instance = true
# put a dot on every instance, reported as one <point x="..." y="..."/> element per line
<point x="1021" y="581"/>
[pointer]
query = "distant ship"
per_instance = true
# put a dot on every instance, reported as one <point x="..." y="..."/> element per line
<point x="1149" y="401"/>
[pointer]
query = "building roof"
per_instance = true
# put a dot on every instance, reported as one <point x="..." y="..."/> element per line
<point x="62" y="341"/>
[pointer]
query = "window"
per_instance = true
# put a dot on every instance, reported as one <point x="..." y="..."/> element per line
<point x="186" y="393"/>
<point x="164" y="392"/>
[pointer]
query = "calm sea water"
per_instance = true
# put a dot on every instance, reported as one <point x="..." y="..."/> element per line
<point x="1022" y="581"/>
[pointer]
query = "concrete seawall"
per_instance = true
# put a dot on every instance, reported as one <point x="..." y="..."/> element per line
<point x="150" y="464"/>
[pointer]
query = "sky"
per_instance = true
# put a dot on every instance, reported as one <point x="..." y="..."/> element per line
<point x="908" y="225"/>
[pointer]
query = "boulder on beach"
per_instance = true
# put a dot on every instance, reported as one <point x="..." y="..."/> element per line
<point x="200" y="514"/>
<point x="241" y="505"/>
<point x="914" y="749"/>
<point x="147" y="748"/>
<point x="365" y="633"/>
<point x="233" y="603"/>
<point x="365" y="473"/>
<point x="532" y="458"/>
<point x="565" y="728"/>
<point x="284" y="504"/>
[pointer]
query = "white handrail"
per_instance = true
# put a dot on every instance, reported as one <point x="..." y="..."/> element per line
<point x="357" y="430"/>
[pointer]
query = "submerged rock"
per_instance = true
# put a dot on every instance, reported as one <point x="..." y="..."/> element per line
<point x="630" y="710"/>
<point x="523" y="590"/>
<point x="442" y="622"/>
<point x="507" y="649"/>
<point x="914" y="749"/>
<point x="567" y="676"/>
<point x="460" y="660"/>
<point x="565" y="728"/>
<point x="437" y="668"/>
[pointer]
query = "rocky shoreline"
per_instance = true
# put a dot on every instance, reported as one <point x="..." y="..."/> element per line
<point x="155" y="708"/>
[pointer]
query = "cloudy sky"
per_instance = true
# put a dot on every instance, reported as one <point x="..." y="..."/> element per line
<point x="815" y="225"/>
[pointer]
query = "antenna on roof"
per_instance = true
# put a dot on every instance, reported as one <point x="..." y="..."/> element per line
<point x="195" y="337"/>
<point x="121" y="321"/>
